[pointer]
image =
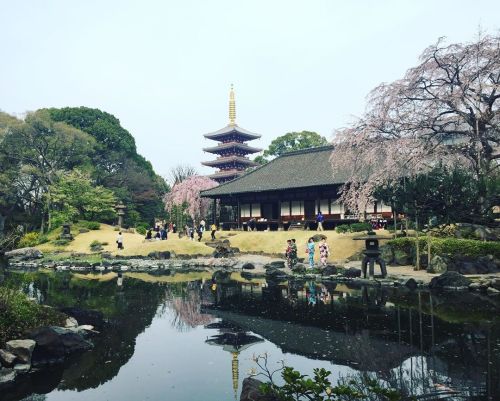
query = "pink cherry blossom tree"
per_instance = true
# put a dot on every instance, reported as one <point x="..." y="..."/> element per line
<point x="444" y="110"/>
<point x="187" y="193"/>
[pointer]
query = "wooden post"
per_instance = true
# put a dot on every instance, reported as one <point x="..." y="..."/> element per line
<point x="417" y="245"/>
<point x="429" y="248"/>
<point x="239" y="214"/>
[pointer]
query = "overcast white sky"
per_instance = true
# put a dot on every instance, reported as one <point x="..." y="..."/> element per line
<point x="164" y="67"/>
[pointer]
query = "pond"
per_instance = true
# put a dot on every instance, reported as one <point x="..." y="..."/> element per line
<point x="181" y="338"/>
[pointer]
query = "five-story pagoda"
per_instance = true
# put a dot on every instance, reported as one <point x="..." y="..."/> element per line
<point x="232" y="148"/>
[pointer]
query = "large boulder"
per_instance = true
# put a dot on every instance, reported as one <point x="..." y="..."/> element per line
<point x="248" y="266"/>
<point x="223" y="251"/>
<point x="251" y="391"/>
<point x="449" y="280"/>
<point x="352" y="272"/>
<point x="161" y="255"/>
<point x="22" y="349"/>
<point x="53" y="344"/>
<point x="299" y="268"/>
<point x="24" y="254"/>
<point x="439" y="264"/>
<point x="85" y="316"/>
<point x="279" y="264"/>
<point x="478" y="265"/>
<point x="318" y="237"/>
<point x="274" y="273"/>
<point x="329" y="270"/>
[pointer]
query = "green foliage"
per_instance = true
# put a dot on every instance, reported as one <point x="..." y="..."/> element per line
<point x="61" y="242"/>
<point x="353" y="228"/>
<point x="90" y="225"/>
<point x="96" y="246"/>
<point x="297" y="387"/>
<point x="343" y="228"/>
<point x="77" y="197"/>
<point x="29" y="239"/>
<point x="449" y="246"/>
<point x="358" y="227"/>
<point x="292" y="141"/>
<point x="444" y="194"/>
<point x="142" y="228"/>
<point x="18" y="314"/>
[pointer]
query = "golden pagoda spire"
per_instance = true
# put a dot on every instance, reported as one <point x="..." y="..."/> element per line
<point x="235" y="373"/>
<point x="232" y="107"/>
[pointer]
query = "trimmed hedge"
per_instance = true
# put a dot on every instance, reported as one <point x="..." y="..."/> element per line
<point x="449" y="246"/>
<point x="353" y="228"/>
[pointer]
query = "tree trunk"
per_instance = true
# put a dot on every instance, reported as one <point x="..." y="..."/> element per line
<point x="417" y="245"/>
<point x="429" y="248"/>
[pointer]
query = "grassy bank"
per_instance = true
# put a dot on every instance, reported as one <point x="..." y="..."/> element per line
<point x="341" y="245"/>
<point x="18" y="314"/>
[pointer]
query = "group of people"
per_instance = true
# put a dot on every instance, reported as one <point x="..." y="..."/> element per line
<point x="378" y="224"/>
<point x="199" y="229"/>
<point x="161" y="231"/>
<point x="291" y="252"/>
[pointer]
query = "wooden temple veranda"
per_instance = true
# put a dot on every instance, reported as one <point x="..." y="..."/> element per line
<point x="288" y="192"/>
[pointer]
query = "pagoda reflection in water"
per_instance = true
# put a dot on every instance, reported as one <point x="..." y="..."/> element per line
<point x="233" y="339"/>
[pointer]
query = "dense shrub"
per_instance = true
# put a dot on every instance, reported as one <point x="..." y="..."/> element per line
<point x="141" y="228"/>
<point x="95" y="246"/>
<point x="90" y="225"/>
<point x="343" y="228"/>
<point x="353" y="228"/>
<point x="18" y="314"/>
<point x="357" y="227"/>
<point x="449" y="246"/>
<point x="61" y="242"/>
<point x="32" y="239"/>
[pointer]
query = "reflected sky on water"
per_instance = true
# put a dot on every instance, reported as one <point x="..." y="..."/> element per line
<point x="194" y="340"/>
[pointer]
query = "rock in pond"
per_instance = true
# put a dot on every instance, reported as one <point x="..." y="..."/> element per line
<point x="248" y="266"/>
<point x="53" y="344"/>
<point x="299" y="268"/>
<point x="7" y="359"/>
<point x="352" y="272"/>
<point x="22" y="349"/>
<point x="24" y="253"/>
<point x="251" y="391"/>
<point x="492" y="291"/>
<point x="7" y="377"/>
<point x="449" y="280"/>
<point x="84" y="316"/>
<point x="329" y="270"/>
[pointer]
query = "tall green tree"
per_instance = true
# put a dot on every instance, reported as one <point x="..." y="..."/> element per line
<point x="290" y="142"/>
<point x="75" y="196"/>
<point x="117" y="164"/>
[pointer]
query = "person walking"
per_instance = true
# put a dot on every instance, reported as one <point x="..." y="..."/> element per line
<point x="310" y="251"/>
<point x="200" y="230"/>
<point x="149" y="235"/>
<point x="119" y="240"/>
<point x="324" y="252"/>
<point x="213" y="229"/>
<point x="320" y="219"/>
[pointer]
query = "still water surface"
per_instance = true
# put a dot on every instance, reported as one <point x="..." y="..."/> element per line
<point x="183" y="339"/>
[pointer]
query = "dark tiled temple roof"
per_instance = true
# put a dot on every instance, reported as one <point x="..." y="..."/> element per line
<point x="228" y="159"/>
<point x="231" y="129"/>
<point x="301" y="169"/>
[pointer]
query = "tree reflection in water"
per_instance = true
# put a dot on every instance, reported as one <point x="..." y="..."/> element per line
<point x="417" y="342"/>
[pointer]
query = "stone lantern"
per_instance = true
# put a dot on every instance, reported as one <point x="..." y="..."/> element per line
<point x="66" y="232"/>
<point x="120" y="211"/>
<point x="372" y="254"/>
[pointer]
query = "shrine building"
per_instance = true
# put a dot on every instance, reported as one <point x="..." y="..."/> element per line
<point x="287" y="193"/>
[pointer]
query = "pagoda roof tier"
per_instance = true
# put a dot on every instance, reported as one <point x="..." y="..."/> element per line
<point x="229" y="130"/>
<point x="226" y="175"/>
<point x="242" y="147"/>
<point x="230" y="159"/>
